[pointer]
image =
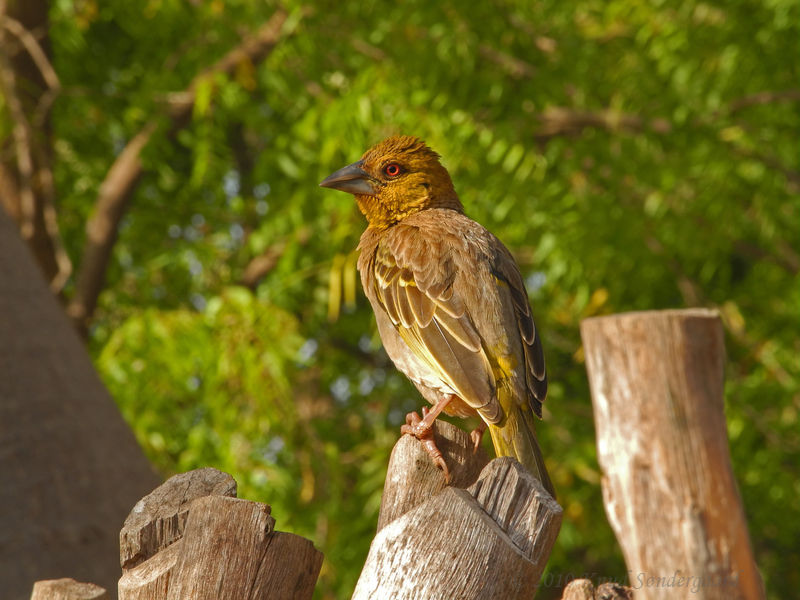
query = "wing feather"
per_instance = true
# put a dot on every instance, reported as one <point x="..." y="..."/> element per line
<point x="387" y="297"/>
<point x="507" y="273"/>
<point x="461" y="329"/>
<point x="489" y="351"/>
<point x="407" y="317"/>
<point x="421" y="305"/>
<point x="433" y="322"/>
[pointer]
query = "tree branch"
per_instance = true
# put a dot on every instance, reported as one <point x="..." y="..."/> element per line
<point x="39" y="58"/>
<point x="259" y="266"/>
<point x="22" y="149"/>
<point x="102" y="228"/>
<point x="35" y="50"/>
<point x="515" y="67"/>
<point x="32" y="182"/>
<point x="559" y="120"/>
<point x="556" y="121"/>
<point x="117" y="188"/>
<point x="766" y="97"/>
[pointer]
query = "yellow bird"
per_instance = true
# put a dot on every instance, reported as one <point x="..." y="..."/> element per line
<point x="449" y="300"/>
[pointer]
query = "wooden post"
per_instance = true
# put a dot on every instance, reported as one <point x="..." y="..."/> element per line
<point x="583" y="589"/>
<point x="190" y="539"/>
<point x="412" y="477"/>
<point x="657" y="388"/>
<point x="491" y="540"/>
<point x="67" y="589"/>
<point x="159" y="518"/>
<point x="231" y="551"/>
<point x="148" y="545"/>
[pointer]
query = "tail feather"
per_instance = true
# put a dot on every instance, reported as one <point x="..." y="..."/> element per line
<point x="515" y="436"/>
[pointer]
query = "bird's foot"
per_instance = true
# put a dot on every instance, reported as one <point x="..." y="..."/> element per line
<point x="422" y="429"/>
<point x="476" y="435"/>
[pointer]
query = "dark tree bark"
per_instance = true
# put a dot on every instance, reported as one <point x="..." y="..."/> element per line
<point x="71" y="467"/>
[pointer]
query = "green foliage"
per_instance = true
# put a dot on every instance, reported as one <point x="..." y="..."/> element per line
<point x="669" y="184"/>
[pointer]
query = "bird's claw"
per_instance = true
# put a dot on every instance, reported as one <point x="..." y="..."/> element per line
<point x="476" y="435"/>
<point x="423" y="431"/>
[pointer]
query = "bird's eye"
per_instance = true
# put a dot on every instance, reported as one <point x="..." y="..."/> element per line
<point x="392" y="170"/>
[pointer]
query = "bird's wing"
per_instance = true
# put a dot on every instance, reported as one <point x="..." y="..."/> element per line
<point x="508" y="277"/>
<point x="415" y="287"/>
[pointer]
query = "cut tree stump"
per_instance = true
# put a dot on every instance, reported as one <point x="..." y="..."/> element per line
<point x="191" y="539"/>
<point x="668" y="486"/>
<point x="491" y="540"/>
<point x="67" y="589"/>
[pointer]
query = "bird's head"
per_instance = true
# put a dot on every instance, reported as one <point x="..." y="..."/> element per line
<point x="394" y="179"/>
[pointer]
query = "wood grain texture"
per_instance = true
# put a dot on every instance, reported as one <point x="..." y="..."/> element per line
<point x="158" y="519"/>
<point x="583" y="589"/>
<point x="230" y="551"/>
<point x="670" y="495"/>
<point x="412" y="477"/>
<point x="520" y="505"/>
<point x="67" y="589"/>
<point x="613" y="591"/>
<point x="191" y="539"/>
<point x="149" y="580"/>
<point x="578" y="589"/>
<point x="489" y="541"/>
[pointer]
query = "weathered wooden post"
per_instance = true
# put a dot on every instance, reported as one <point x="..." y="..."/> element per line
<point x="412" y="478"/>
<point x="657" y="388"/>
<point x="149" y="540"/>
<point x="192" y="539"/>
<point x="491" y="540"/>
<point x="584" y="589"/>
<point x="67" y="589"/>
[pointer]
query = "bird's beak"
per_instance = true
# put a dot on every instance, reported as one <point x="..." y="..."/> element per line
<point x="352" y="179"/>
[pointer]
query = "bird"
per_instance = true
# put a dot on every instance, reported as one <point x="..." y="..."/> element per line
<point x="449" y="301"/>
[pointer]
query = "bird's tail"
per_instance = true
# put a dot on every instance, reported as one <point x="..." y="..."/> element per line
<point x="515" y="437"/>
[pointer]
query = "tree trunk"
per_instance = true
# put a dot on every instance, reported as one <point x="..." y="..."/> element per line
<point x="668" y="486"/>
<point x="150" y="538"/>
<point x="71" y="467"/>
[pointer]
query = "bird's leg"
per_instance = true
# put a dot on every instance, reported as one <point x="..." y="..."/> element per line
<point x="422" y="429"/>
<point x="476" y="435"/>
<point x="429" y="416"/>
<point x="414" y="427"/>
